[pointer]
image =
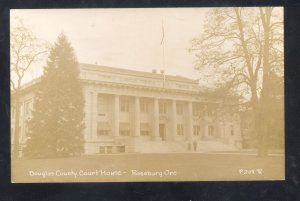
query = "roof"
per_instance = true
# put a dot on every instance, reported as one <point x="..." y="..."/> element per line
<point x="123" y="71"/>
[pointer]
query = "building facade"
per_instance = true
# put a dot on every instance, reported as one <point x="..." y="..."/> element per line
<point x="140" y="112"/>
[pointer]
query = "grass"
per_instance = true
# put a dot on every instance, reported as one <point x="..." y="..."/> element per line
<point x="183" y="166"/>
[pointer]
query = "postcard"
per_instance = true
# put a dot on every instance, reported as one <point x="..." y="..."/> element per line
<point x="147" y="94"/>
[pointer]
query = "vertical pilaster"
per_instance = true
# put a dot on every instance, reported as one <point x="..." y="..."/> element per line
<point x="116" y="114"/>
<point x="95" y="114"/>
<point x="173" y="120"/>
<point x="137" y="116"/>
<point x="89" y="114"/>
<point x="189" y="117"/>
<point x="156" y="119"/>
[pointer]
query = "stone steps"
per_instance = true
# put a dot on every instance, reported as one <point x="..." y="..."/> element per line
<point x="173" y="147"/>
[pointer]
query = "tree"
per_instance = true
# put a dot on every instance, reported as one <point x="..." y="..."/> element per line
<point x="274" y="125"/>
<point x="240" y="48"/>
<point x="57" y="122"/>
<point x="25" y="50"/>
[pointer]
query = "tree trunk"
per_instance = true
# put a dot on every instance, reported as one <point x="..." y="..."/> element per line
<point x="265" y="17"/>
<point x="16" y="126"/>
<point x="261" y="129"/>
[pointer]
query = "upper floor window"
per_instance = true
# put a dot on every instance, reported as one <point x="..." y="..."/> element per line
<point x="26" y="129"/>
<point x="144" y="106"/>
<point x="145" y="133"/>
<point x="162" y="108"/>
<point x="124" y="132"/>
<point x="124" y="106"/>
<point x="179" y="108"/>
<point x="28" y="108"/>
<point x="102" y="133"/>
<point x="101" y="105"/>
<point x="232" y="130"/>
<point x="209" y="113"/>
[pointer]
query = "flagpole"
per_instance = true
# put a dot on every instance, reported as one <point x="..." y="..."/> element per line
<point x="163" y="51"/>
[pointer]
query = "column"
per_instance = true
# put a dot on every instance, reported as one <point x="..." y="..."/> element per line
<point x="189" y="120"/>
<point x="173" y="120"/>
<point x="116" y="115"/>
<point x="87" y="116"/>
<point x="137" y="116"/>
<point x="156" y="120"/>
<point x="94" y="114"/>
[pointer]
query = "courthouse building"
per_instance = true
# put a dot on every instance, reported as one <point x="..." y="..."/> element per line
<point x="141" y="112"/>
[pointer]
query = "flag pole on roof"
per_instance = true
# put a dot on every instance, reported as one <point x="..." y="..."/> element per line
<point x="162" y="43"/>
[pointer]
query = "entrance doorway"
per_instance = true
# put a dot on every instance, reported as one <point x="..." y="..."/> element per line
<point x="162" y="132"/>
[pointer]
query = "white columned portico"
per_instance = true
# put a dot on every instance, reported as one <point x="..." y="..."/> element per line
<point x="156" y="120"/>
<point x="137" y="116"/>
<point x="189" y="120"/>
<point x="173" y="120"/>
<point x="116" y="115"/>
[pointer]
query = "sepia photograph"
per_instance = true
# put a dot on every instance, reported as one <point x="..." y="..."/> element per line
<point x="147" y="94"/>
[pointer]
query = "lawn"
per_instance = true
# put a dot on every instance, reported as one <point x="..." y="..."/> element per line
<point x="149" y="167"/>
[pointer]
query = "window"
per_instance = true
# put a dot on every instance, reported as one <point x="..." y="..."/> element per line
<point x="26" y="129"/>
<point x="27" y="108"/>
<point x="162" y="108"/>
<point x="125" y="132"/>
<point x="209" y="113"/>
<point x="124" y="106"/>
<point x="144" y="129"/>
<point x="102" y="150"/>
<point x="102" y="133"/>
<point x="196" y="130"/>
<point x="179" y="129"/>
<point x="124" y="129"/>
<point x="109" y="149"/>
<point x="101" y="105"/>
<point x="105" y="149"/>
<point x="179" y="108"/>
<point x="144" y="106"/>
<point x="211" y="131"/>
<point x="145" y="133"/>
<point x="120" y="149"/>
<point x="102" y="129"/>
<point x="232" y="130"/>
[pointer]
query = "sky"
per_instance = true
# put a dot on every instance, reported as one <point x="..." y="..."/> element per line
<point x="123" y="38"/>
